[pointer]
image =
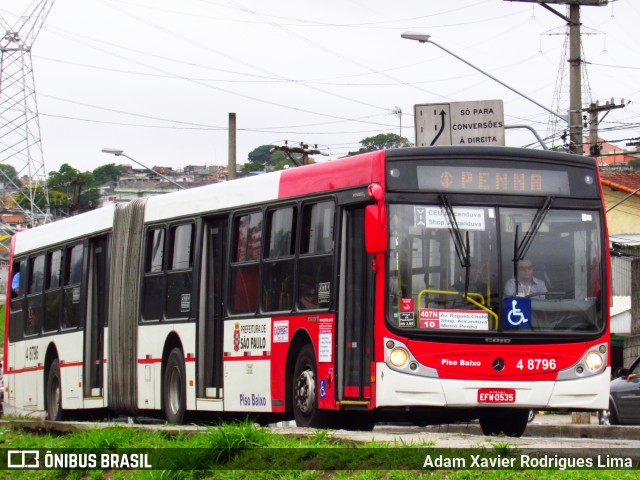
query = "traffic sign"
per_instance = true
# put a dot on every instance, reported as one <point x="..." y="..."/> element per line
<point x="460" y="123"/>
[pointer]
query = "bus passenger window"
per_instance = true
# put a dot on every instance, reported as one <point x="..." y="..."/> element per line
<point x="317" y="228"/>
<point x="245" y="266"/>
<point x="155" y="250"/>
<point x="315" y="266"/>
<point x="53" y="293"/>
<point x="15" y="281"/>
<point x="154" y="277"/>
<point x="279" y="262"/>
<point x="17" y="313"/>
<point x="182" y="256"/>
<point x="34" y="295"/>
<point x="179" y="275"/>
<point x="71" y="289"/>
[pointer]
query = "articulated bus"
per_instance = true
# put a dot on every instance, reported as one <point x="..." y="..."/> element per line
<point x="419" y="285"/>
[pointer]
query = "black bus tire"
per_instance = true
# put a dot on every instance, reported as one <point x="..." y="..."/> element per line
<point x="53" y="393"/>
<point x="305" y="390"/>
<point x="174" y="392"/>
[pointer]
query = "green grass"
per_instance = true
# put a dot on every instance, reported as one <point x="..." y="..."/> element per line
<point x="246" y="451"/>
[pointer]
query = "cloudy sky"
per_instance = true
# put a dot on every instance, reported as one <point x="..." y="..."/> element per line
<point x="158" y="78"/>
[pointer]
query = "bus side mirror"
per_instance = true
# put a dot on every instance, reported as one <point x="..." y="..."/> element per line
<point x="375" y="229"/>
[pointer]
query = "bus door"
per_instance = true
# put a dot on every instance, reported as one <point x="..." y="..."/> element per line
<point x="210" y="315"/>
<point x="97" y="296"/>
<point x="355" y="320"/>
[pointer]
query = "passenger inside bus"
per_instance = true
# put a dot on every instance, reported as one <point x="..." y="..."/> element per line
<point x="15" y="284"/>
<point x="308" y="296"/>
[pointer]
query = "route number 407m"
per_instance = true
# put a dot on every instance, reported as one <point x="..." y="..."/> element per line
<point x="536" y="364"/>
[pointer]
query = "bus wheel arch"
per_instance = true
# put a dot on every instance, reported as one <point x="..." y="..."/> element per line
<point x="52" y="385"/>
<point x="174" y="384"/>
<point x="304" y="389"/>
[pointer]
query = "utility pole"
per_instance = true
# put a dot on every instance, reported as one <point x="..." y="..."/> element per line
<point x="593" y="110"/>
<point x="575" y="81"/>
<point x="575" y="63"/>
<point x="231" y="162"/>
<point x="303" y="150"/>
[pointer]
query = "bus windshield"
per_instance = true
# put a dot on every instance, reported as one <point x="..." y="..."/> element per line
<point x="504" y="270"/>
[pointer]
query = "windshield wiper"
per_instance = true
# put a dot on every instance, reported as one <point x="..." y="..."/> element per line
<point x="462" y="246"/>
<point x="520" y="249"/>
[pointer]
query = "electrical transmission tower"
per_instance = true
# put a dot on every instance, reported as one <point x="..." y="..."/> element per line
<point x="556" y="130"/>
<point x="20" y="143"/>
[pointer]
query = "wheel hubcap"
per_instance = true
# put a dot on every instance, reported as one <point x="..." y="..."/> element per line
<point x="306" y="392"/>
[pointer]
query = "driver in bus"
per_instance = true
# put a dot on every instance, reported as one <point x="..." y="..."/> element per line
<point x="528" y="285"/>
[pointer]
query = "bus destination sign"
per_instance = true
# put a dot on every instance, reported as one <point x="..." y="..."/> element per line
<point x="492" y="180"/>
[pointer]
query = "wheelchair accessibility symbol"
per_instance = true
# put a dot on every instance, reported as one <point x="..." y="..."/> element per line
<point x="517" y="312"/>
<point x="323" y="388"/>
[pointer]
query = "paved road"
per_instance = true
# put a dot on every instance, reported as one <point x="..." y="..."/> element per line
<point x="546" y="431"/>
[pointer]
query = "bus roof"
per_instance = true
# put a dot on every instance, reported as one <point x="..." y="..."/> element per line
<point x="309" y="179"/>
<point x="489" y="151"/>
<point x="70" y="228"/>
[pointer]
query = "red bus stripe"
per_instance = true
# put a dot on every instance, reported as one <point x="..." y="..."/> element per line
<point x="71" y="364"/>
<point x="24" y="370"/>
<point x="146" y="361"/>
<point x="248" y="357"/>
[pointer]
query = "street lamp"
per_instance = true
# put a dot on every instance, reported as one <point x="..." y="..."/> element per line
<point x="423" y="38"/>
<point x="120" y="153"/>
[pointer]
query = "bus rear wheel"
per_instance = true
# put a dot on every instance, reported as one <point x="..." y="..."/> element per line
<point x="174" y="391"/>
<point x="305" y="394"/>
<point x="53" y="396"/>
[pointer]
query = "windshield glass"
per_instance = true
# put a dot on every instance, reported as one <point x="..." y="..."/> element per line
<point x="512" y="270"/>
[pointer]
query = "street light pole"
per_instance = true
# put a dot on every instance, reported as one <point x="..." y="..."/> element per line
<point x="120" y="153"/>
<point x="423" y="38"/>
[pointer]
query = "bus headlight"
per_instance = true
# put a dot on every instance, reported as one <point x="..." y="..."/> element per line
<point x="398" y="357"/>
<point x="593" y="361"/>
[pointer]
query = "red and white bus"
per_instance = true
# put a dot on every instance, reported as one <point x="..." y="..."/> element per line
<point x="417" y="284"/>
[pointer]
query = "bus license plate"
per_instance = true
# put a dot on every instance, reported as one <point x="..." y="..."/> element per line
<point x="496" y="395"/>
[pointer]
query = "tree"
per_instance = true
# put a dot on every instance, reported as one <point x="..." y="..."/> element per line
<point x="261" y="154"/>
<point x="9" y="176"/>
<point x="635" y="163"/>
<point x="107" y="173"/>
<point x="265" y="157"/>
<point x="380" y="142"/>
<point x="23" y="198"/>
<point x="77" y="186"/>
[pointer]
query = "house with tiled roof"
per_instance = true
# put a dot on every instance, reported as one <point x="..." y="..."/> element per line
<point x="610" y="155"/>
<point x="622" y="200"/>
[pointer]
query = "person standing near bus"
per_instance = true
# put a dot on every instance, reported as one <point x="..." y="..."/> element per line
<point x="527" y="284"/>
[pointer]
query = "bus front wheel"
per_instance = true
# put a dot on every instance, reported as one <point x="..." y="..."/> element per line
<point x="174" y="392"/>
<point x="53" y="398"/>
<point x="305" y="394"/>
